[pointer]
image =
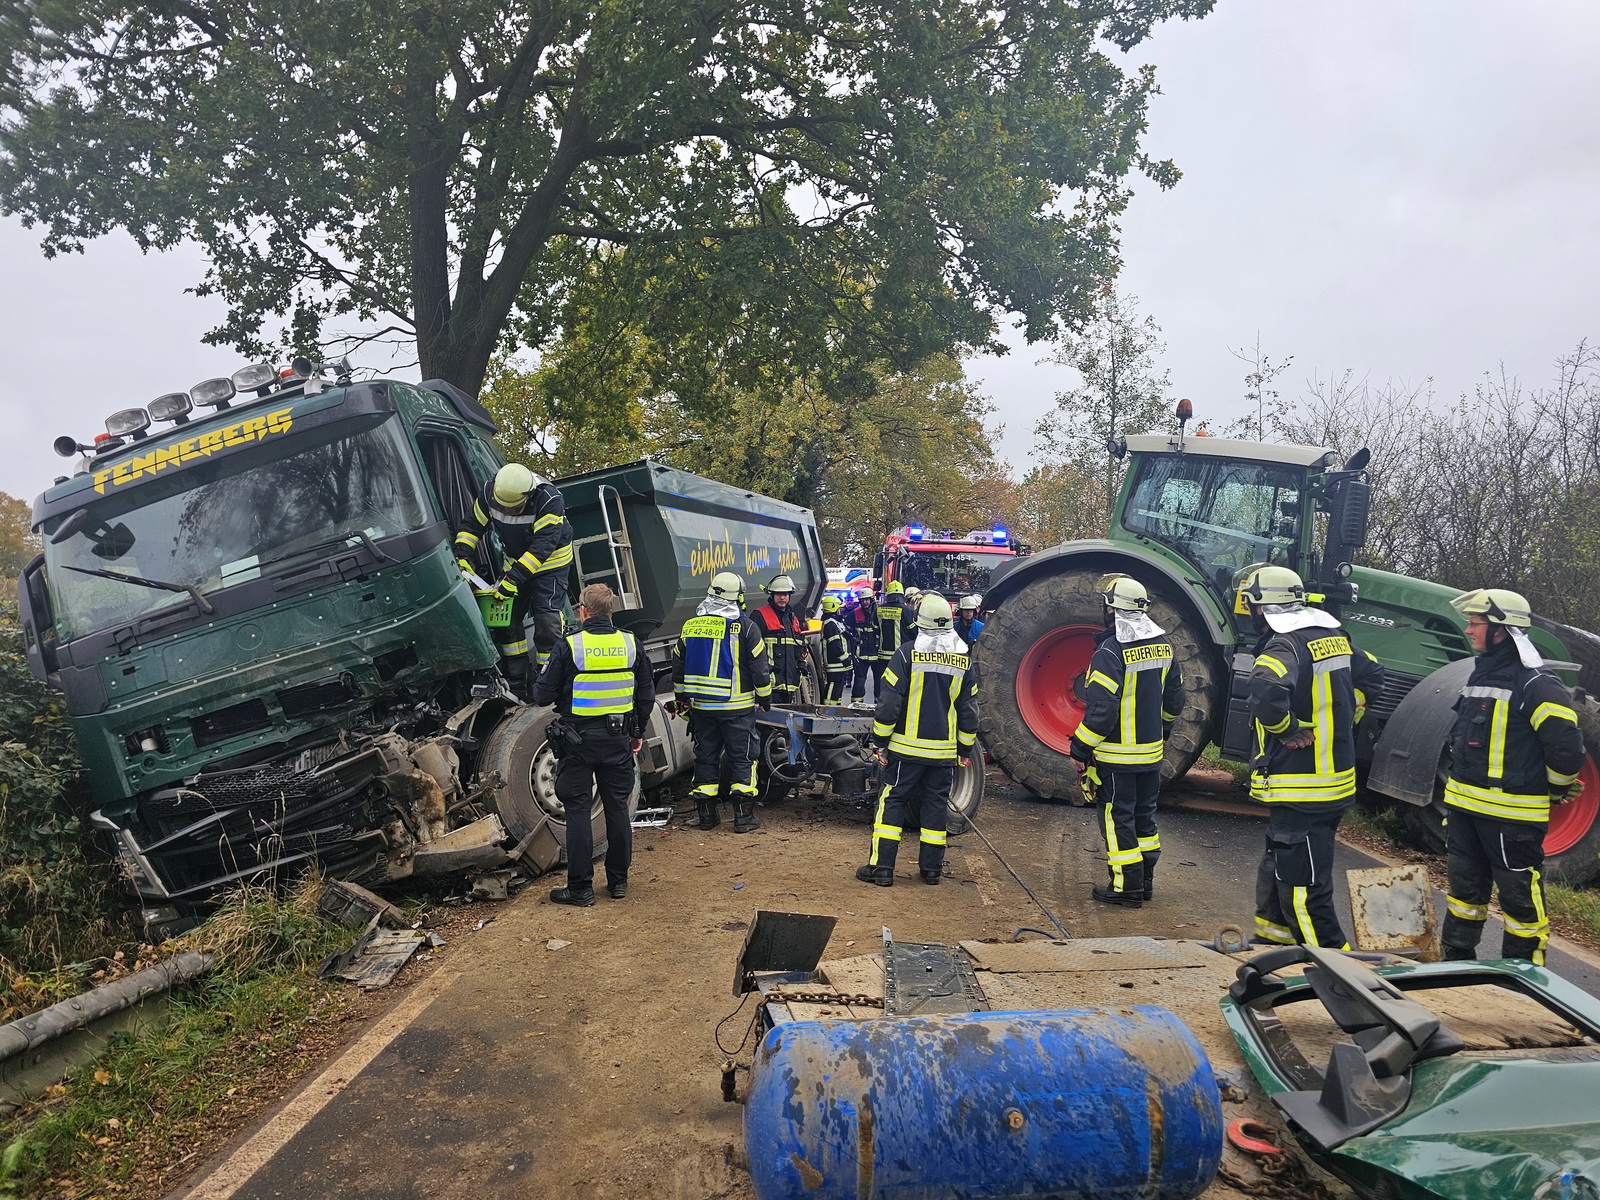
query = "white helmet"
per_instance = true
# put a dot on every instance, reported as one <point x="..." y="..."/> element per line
<point x="974" y="602"/>
<point x="1498" y="606"/>
<point x="727" y="586"/>
<point x="934" y="612"/>
<point x="1270" y="586"/>
<point x="512" y="483"/>
<point x="778" y="583"/>
<point x="1123" y="593"/>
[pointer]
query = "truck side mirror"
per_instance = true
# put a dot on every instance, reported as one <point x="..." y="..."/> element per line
<point x="38" y="620"/>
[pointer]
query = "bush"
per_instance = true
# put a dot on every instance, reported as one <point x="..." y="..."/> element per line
<point x="57" y="902"/>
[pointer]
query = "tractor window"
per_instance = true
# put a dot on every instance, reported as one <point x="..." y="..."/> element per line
<point x="1220" y="514"/>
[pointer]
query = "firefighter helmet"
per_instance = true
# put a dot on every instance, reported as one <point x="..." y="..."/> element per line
<point x="972" y="603"/>
<point x="1265" y="584"/>
<point x="777" y="585"/>
<point x="934" y="612"/>
<point x="1123" y="593"/>
<point x="512" y="483"/>
<point x="725" y="585"/>
<point x="1498" y="606"/>
<point x="831" y="603"/>
<point x="894" y="586"/>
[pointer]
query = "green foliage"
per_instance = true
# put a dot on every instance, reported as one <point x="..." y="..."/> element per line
<point x="809" y="187"/>
<point x="126" y="1121"/>
<point x="56" y="902"/>
<point x="18" y="542"/>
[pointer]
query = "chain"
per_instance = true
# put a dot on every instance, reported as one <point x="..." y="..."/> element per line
<point x="857" y="1001"/>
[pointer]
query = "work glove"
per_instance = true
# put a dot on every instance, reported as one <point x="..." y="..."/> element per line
<point x="466" y="568"/>
<point x="1089" y="781"/>
<point x="1567" y="794"/>
<point x="504" y="590"/>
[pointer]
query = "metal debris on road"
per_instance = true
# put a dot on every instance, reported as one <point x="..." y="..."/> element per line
<point x="557" y="944"/>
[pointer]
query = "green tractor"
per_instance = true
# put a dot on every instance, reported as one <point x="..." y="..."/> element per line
<point x="1192" y="512"/>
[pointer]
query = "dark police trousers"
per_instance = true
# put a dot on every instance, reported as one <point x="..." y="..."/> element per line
<point x="1128" y="826"/>
<point x="1294" y="884"/>
<point x="1484" y="853"/>
<point x="602" y="759"/>
<point x="916" y="795"/>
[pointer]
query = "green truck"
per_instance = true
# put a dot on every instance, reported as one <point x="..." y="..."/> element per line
<point x="1192" y="512"/>
<point x="271" y="659"/>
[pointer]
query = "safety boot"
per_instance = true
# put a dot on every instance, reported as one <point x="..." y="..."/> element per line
<point x="931" y="877"/>
<point x="744" y="817"/>
<point x="1126" y="899"/>
<point x="705" y="808"/>
<point x="1149" y="890"/>
<point x="577" y="898"/>
<point x="882" y="876"/>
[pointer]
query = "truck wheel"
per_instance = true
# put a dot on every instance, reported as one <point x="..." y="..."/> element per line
<point x="1034" y="654"/>
<point x="517" y="751"/>
<point x="1571" y="844"/>
<point x="966" y="794"/>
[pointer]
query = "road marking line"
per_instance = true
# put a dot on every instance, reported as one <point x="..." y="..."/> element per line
<point x="239" y="1167"/>
<point x="980" y="875"/>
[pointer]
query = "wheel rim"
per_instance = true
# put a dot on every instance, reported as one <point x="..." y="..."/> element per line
<point x="542" y="780"/>
<point x="1571" y="821"/>
<point x="965" y="789"/>
<point x="1050" y="683"/>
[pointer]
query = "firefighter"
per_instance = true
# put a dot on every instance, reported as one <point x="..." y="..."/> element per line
<point x="601" y="683"/>
<point x="720" y="673"/>
<point x="968" y="626"/>
<point x="529" y="520"/>
<point x="1515" y="751"/>
<point x="1132" y="694"/>
<point x="784" y="630"/>
<point x="838" y="665"/>
<point x="1304" y="702"/>
<point x="890" y="610"/>
<point x="863" y="624"/>
<point x="908" y="614"/>
<point x="925" y="724"/>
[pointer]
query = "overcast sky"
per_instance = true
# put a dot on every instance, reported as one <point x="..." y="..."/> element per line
<point x="1406" y="188"/>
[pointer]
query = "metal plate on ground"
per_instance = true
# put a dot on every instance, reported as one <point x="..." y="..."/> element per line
<point x="1089" y="954"/>
<point x="781" y="941"/>
<point x="920" y="980"/>
<point x="1392" y="909"/>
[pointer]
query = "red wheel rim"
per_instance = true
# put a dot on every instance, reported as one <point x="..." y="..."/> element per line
<point x="1050" y="683"/>
<point x="1569" y="822"/>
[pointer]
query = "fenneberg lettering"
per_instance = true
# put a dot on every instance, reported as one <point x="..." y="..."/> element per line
<point x="200" y="446"/>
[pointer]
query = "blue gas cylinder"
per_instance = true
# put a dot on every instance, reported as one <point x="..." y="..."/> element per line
<point x="1108" y="1104"/>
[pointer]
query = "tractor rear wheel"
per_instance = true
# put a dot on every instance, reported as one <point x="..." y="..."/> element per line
<point x="1032" y="660"/>
<point x="1572" y="842"/>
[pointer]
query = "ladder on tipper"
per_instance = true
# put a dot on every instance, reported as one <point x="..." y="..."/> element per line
<point x="616" y="568"/>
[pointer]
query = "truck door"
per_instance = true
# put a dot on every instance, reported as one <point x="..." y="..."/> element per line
<point x="444" y="458"/>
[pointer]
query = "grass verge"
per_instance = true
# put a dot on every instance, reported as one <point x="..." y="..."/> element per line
<point x="129" y="1124"/>
<point x="1212" y="757"/>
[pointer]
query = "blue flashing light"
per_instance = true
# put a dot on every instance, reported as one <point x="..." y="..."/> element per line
<point x="999" y="534"/>
<point x="915" y="532"/>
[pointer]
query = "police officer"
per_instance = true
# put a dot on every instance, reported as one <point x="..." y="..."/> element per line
<point x="1303" y="699"/>
<point x="890" y="634"/>
<point x="602" y="686"/>
<point x="864" y="625"/>
<point x="720" y="673"/>
<point x="784" y="631"/>
<point x="529" y="519"/>
<point x="1132" y="694"/>
<point x="925" y="724"/>
<point x="838" y="665"/>
<point x="1515" y="751"/>
<point x="968" y="627"/>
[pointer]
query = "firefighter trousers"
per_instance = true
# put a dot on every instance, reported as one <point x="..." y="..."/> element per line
<point x="1128" y="827"/>
<point x="915" y="795"/>
<point x="865" y="668"/>
<point x="1294" y="885"/>
<point x="603" y="761"/>
<point x="715" y="734"/>
<point x="833" y="690"/>
<point x="1484" y="855"/>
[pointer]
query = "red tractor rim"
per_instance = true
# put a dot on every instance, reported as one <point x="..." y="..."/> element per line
<point x="1571" y="821"/>
<point x="1050" y="683"/>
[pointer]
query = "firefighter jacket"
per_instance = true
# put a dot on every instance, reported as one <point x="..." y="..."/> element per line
<point x="784" y="631"/>
<point x="836" y="656"/>
<point x="890" y="610"/>
<point x="1132" y="693"/>
<point x="1308" y="679"/>
<point x="533" y="543"/>
<point x="863" y="628"/>
<point x="598" y="672"/>
<point x="1516" y="739"/>
<point x="928" y="704"/>
<point x="720" y="663"/>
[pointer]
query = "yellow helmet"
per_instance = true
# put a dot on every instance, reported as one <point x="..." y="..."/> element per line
<point x="1123" y="593"/>
<point x="1265" y="585"/>
<point x="934" y="612"/>
<point x="1498" y="606"/>
<point x="895" y="586"/>
<point x="727" y="585"/>
<point x="831" y="603"/>
<point x="512" y="483"/>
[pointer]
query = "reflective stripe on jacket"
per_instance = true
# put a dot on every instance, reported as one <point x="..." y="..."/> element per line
<point x="604" y="681"/>
<point x="558" y="685"/>
<point x="785" y="635"/>
<point x="889" y="639"/>
<point x="533" y="542"/>
<point x="1307" y="679"/>
<point x="720" y="663"/>
<point x="1131" y="695"/>
<point x="1516" y="737"/>
<point x="928" y="705"/>
<point x="836" y="657"/>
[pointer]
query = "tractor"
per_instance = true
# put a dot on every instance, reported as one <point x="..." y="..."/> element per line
<point x="1192" y="512"/>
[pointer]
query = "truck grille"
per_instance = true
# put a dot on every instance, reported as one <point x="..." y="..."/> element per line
<point x="1396" y="686"/>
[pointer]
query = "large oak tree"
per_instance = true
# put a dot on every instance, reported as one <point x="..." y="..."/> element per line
<point x="829" y="182"/>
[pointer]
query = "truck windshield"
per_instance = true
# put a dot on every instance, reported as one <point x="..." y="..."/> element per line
<point x="1220" y="514"/>
<point x="948" y="570"/>
<point x="217" y="523"/>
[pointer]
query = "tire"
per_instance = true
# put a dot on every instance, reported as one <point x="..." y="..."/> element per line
<point x="966" y="796"/>
<point x="517" y="751"/>
<point x="1035" y="651"/>
<point x="1572" y="843"/>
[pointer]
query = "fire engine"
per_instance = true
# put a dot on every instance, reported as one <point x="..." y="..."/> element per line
<point x="940" y="560"/>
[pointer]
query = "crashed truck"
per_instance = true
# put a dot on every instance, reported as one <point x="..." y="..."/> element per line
<point x="271" y="659"/>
